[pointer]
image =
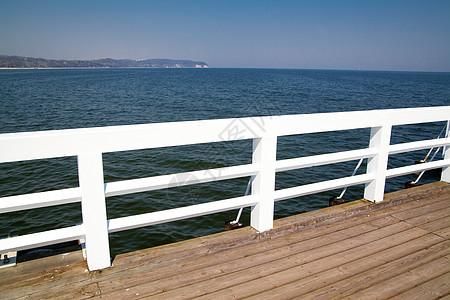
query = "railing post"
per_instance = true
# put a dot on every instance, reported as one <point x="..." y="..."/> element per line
<point x="445" y="176"/>
<point x="264" y="154"/>
<point x="93" y="208"/>
<point x="380" y="138"/>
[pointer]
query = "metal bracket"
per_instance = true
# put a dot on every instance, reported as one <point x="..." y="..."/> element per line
<point x="8" y="259"/>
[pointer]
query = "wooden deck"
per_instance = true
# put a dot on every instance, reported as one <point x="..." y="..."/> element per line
<point x="397" y="249"/>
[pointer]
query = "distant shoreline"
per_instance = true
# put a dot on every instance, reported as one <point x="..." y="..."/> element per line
<point x="93" y="68"/>
<point x="19" y="62"/>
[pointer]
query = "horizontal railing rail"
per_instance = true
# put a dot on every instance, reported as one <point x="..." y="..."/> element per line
<point x="166" y="181"/>
<point x="89" y="144"/>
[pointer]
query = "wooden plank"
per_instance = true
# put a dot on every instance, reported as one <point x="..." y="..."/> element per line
<point x="418" y="208"/>
<point x="433" y="289"/>
<point x="89" y="290"/>
<point x="308" y="277"/>
<point x="428" y="218"/>
<point x="180" y="251"/>
<point x="403" y="201"/>
<point x="26" y="270"/>
<point x="219" y="264"/>
<point x="66" y="276"/>
<point x="437" y="225"/>
<point x="408" y="280"/>
<point x="423" y="193"/>
<point x="445" y="232"/>
<point x="246" y="281"/>
<point x="242" y="239"/>
<point x="342" y="281"/>
<point x="425" y="207"/>
<point x="47" y="282"/>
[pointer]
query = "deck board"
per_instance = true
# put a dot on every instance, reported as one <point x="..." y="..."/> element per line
<point x="403" y="282"/>
<point x="432" y="289"/>
<point x="399" y="248"/>
<point x="306" y="272"/>
<point x="376" y="269"/>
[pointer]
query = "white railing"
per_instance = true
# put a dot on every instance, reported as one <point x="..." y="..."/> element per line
<point x="89" y="144"/>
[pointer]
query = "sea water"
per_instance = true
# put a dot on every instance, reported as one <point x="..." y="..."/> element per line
<point x="33" y="100"/>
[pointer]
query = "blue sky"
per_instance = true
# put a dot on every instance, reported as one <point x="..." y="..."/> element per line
<point x="407" y="35"/>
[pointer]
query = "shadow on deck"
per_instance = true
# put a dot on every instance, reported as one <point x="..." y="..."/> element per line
<point x="399" y="248"/>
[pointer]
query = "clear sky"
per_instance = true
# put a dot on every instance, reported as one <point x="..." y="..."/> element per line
<point x="410" y="35"/>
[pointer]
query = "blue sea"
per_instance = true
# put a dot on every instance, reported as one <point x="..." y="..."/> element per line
<point x="34" y="100"/>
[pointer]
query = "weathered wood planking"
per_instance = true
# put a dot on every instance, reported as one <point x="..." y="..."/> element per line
<point x="399" y="248"/>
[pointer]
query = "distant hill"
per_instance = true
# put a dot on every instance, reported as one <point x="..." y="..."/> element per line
<point x="7" y="61"/>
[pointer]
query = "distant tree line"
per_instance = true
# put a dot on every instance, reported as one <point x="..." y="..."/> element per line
<point x="7" y="61"/>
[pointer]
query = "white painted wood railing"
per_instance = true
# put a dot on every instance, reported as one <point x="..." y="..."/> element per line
<point x="89" y="144"/>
